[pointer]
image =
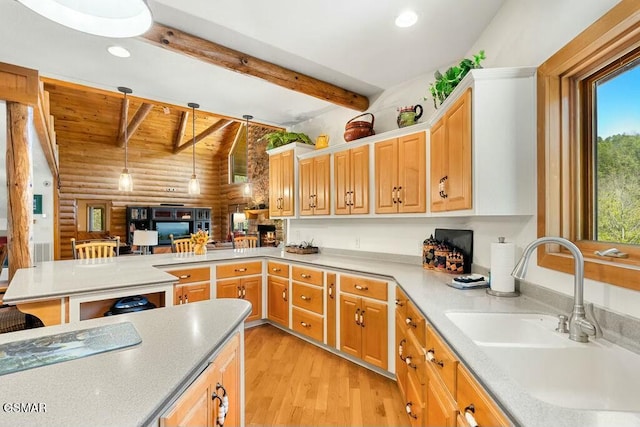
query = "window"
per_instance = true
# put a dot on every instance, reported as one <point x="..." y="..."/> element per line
<point x="588" y="189"/>
<point x="96" y="220"/>
<point x="238" y="158"/>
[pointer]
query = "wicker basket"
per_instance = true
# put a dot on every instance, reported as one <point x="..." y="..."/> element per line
<point x="298" y="250"/>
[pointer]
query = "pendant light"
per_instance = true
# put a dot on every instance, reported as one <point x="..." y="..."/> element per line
<point x="247" y="185"/>
<point x="125" y="183"/>
<point x="194" y="185"/>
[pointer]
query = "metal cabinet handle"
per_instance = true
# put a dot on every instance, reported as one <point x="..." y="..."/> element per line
<point x="442" y="188"/>
<point x="239" y="292"/>
<point x="346" y="198"/>
<point x="331" y="291"/>
<point x="350" y="198"/>
<point x="276" y="270"/>
<point x="399" y="199"/>
<point x="184" y="276"/>
<point x="399" y="303"/>
<point x="305" y="325"/>
<point x="186" y="299"/>
<point x="240" y="270"/>
<point x="180" y="299"/>
<point x="431" y="357"/>
<point x="408" y="408"/>
<point x="361" y="288"/>
<point x="305" y="298"/>
<point x="284" y="295"/>
<point x="244" y="292"/>
<point x="305" y="276"/>
<point x="401" y="349"/>
<point x="469" y="411"/>
<point x="393" y="195"/>
<point x="409" y="321"/>
<point x="357" y="316"/>
<point x="223" y="406"/>
<point x="362" y="318"/>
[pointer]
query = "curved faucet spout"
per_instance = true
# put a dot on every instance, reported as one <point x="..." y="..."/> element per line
<point x="579" y="327"/>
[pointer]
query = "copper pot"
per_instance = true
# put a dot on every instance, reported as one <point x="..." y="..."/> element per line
<point x="356" y="129"/>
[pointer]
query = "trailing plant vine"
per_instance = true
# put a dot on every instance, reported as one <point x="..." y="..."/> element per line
<point x="447" y="82"/>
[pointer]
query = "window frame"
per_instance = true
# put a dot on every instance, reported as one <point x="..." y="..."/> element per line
<point x="565" y="143"/>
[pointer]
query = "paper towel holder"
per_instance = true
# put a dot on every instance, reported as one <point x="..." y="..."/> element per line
<point x="495" y="293"/>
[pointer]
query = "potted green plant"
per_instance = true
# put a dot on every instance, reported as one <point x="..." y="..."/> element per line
<point x="447" y="82"/>
<point x="281" y="137"/>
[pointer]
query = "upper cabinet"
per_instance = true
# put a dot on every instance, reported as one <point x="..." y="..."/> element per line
<point x="351" y="179"/>
<point x="450" y="178"/>
<point x="282" y="184"/>
<point x="482" y="145"/>
<point x="315" y="175"/>
<point x="400" y="175"/>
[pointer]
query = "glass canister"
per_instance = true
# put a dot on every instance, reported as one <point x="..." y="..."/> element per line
<point x="428" y="253"/>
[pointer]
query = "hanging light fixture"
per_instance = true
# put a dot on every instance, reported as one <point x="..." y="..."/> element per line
<point x="194" y="185"/>
<point x="247" y="185"/>
<point x="125" y="183"/>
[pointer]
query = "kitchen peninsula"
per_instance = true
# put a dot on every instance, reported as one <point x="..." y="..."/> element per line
<point x="425" y="289"/>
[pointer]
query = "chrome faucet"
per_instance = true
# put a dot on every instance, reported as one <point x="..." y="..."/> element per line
<point x="579" y="327"/>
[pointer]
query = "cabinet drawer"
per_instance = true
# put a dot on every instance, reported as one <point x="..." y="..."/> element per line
<point x="363" y="286"/>
<point x="309" y="297"/>
<point x="401" y="303"/>
<point x="442" y="359"/>
<point x="306" y="275"/>
<point x="278" y="269"/>
<point x="308" y="324"/>
<point x="191" y="275"/>
<point x="415" y="403"/>
<point x="414" y="359"/>
<point x="471" y="397"/>
<point x="238" y="269"/>
<point x="416" y="323"/>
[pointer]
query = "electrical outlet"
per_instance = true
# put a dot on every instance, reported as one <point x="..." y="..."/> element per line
<point x="357" y="243"/>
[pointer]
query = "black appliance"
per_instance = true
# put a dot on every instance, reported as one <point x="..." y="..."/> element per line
<point x="130" y="305"/>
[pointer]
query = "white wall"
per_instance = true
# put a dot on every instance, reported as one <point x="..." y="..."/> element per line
<point x="523" y="33"/>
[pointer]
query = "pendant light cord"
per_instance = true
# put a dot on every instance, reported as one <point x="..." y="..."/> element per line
<point x="193" y="106"/>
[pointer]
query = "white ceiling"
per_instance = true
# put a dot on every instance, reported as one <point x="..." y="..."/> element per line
<point x="353" y="44"/>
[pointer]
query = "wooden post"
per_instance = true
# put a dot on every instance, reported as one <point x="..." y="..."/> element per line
<point x="20" y="194"/>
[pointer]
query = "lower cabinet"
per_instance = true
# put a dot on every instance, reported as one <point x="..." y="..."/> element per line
<point x="193" y="285"/>
<point x="363" y="329"/>
<point x="249" y="288"/>
<point x="199" y="405"/>
<point x="278" y="300"/>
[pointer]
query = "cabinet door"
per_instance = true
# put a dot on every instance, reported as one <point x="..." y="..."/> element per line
<point x="441" y="411"/>
<point x="278" y="300"/>
<point x="177" y="295"/>
<point x="401" y="366"/>
<point x="229" y="289"/>
<point x="197" y="292"/>
<point x="359" y="178"/>
<point x="288" y="184"/>
<point x="341" y="178"/>
<point x="321" y="178"/>
<point x="386" y="175"/>
<point x="275" y="184"/>
<point x="331" y="309"/>
<point x="306" y="183"/>
<point x="458" y="184"/>
<point x="194" y="407"/>
<point x="252" y="292"/>
<point x="375" y="347"/>
<point x="350" y="330"/>
<point x="438" y="158"/>
<point x="228" y="368"/>
<point x="412" y="178"/>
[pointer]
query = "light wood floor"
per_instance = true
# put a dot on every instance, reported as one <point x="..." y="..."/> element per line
<point x="291" y="382"/>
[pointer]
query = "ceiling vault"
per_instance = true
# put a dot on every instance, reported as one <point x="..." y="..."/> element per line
<point x="220" y="124"/>
<point x="213" y="53"/>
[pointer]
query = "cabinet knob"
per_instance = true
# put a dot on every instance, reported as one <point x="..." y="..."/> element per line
<point x="469" y="412"/>
<point x="184" y="276"/>
<point x="361" y="288"/>
<point x="409" y="408"/>
<point x="305" y="276"/>
<point x="276" y="270"/>
<point x="305" y="325"/>
<point x="240" y="270"/>
<point x="305" y="298"/>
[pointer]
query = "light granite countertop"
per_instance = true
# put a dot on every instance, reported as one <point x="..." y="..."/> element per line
<point x="427" y="290"/>
<point x="127" y="387"/>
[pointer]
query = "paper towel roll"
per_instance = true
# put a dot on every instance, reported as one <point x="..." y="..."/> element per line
<point x="502" y="263"/>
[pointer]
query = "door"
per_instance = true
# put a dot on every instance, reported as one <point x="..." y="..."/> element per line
<point x="275" y="184"/>
<point x="288" y="184"/>
<point x="401" y="366"/>
<point x="278" y="300"/>
<point x="458" y="184"/>
<point x="252" y="292"/>
<point x="321" y="178"/>
<point x="386" y="173"/>
<point x="411" y="192"/>
<point x="306" y="183"/>
<point x="341" y="173"/>
<point x="359" y="178"/>
<point x="350" y="330"/>
<point x="228" y="368"/>
<point x="229" y="289"/>
<point x="331" y="309"/>
<point x="198" y="292"/>
<point x="438" y="158"/>
<point x="441" y="411"/>
<point x="193" y="408"/>
<point x="374" y="327"/>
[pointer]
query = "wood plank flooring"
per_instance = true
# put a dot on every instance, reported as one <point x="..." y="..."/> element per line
<point x="291" y="382"/>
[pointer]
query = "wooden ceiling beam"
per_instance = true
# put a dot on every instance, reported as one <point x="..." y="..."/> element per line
<point x="184" y="119"/>
<point x="213" y="53"/>
<point x="220" y="124"/>
<point x="137" y="120"/>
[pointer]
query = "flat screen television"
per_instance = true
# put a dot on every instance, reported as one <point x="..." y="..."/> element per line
<point x="177" y="228"/>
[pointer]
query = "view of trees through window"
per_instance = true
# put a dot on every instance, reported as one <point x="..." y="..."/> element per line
<point x="617" y="156"/>
<point x="96" y="218"/>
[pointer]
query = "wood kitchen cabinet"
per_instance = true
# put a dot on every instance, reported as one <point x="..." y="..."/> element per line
<point x="450" y="150"/>
<point x="197" y="406"/>
<point x="281" y="184"/>
<point x="278" y="300"/>
<point x="247" y="288"/>
<point x="400" y="175"/>
<point x="363" y="329"/>
<point x="193" y="285"/>
<point x="351" y="179"/>
<point x="314" y="184"/>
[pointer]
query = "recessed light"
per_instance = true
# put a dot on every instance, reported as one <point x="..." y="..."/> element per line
<point x="406" y="19"/>
<point x="119" y="51"/>
<point x="107" y="18"/>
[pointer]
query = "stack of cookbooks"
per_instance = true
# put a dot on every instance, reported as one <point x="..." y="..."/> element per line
<point x="470" y="281"/>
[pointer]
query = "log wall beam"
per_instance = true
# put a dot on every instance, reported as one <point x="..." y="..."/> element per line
<point x="184" y="120"/>
<point x="220" y="124"/>
<point x="20" y="194"/>
<point x="213" y="53"/>
<point x="135" y="123"/>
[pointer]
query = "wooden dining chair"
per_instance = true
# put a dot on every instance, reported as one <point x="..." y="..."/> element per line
<point x="245" y="242"/>
<point x="103" y="248"/>
<point x="182" y="244"/>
